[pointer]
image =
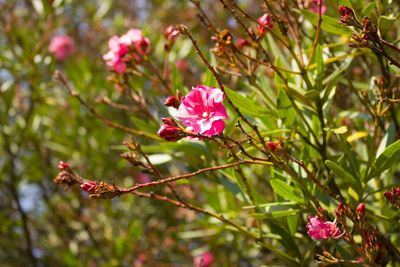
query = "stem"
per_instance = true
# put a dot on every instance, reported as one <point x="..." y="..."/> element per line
<point x="192" y="174"/>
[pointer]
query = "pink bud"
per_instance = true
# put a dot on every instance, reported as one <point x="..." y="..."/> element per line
<point x="170" y="133"/>
<point x="171" y="33"/>
<point x="272" y="145"/>
<point x="240" y="43"/>
<point x="205" y="260"/>
<point x="171" y="101"/>
<point x="264" y="23"/>
<point x="89" y="187"/>
<point x="344" y="10"/>
<point x="62" y="165"/>
<point x="360" y="209"/>
<point x="348" y="16"/>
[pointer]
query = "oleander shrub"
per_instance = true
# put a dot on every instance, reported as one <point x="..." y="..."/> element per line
<point x="201" y="133"/>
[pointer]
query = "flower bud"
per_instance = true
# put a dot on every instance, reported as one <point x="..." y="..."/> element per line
<point x="62" y="165"/>
<point x="205" y="260"/>
<point x="171" y="33"/>
<point x="348" y="17"/>
<point x="360" y="210"/>
<point x="89" y="187"/>
<point x="273" y="146"/>
<point x="340" y="210"/>
<point x="172" y="101"/>
<point x="393" y="196"/>
<point x="170" y="132"/>
<point x="241" y="42"/>
<point x="264" y="23"/>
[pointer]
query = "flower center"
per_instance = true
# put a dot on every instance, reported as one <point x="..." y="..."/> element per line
<point x="205" y="114"/>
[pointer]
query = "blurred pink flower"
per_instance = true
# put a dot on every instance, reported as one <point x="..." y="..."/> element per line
<point x="314" y="6"/>
<point x="182" y="65"/>
<point x="119" y="47"/>
<point x="114" y="57"/>
<point x="62" y="46"/>
<point x="205" y="260"/>
<point x="202" y="110"/>
<point x="319" y="229"/>
<point x="264" y="23"/>
<point x="134" y="38"/>
<point x="143" y="178"/>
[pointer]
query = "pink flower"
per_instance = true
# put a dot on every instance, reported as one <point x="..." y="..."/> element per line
<point x="62" y="46"/>
<point x="264" y="23"/>
<point x="114" y="57"/>
<point x="202" y="110"/>
<point x="319" y="229"/>
<point x="205" y="260"/>
<point x="314" y="6"/>
<point x="89" y="187"/>
<point x="120" y="47"/>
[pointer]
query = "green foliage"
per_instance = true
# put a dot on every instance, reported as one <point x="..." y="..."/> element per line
<point x="313" y="122"/>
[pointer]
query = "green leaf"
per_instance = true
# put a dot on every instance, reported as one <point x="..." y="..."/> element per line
<point x="328" y="24"/>
<point x="385" y="160"/>
<point x="385" y="23"/>
<point x="246" y="105"/>
<point x="176" y="79"/>
<point x="285" y="109"/>
<point x="345" y="3"/>
<point x="340" y="172"/>
<point x="286" y="191"/>
<point x="368" y="9"/>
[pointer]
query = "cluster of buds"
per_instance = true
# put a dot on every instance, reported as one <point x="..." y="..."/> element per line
<point x="393" y="196"/>
<point x="223" y="47"/>
<point x="372" y="246"/>
<point x="101" y="190"/>
<point x="66" y="176"/>
<point x="170" y="130"/>
<point x="170" y="34"/>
